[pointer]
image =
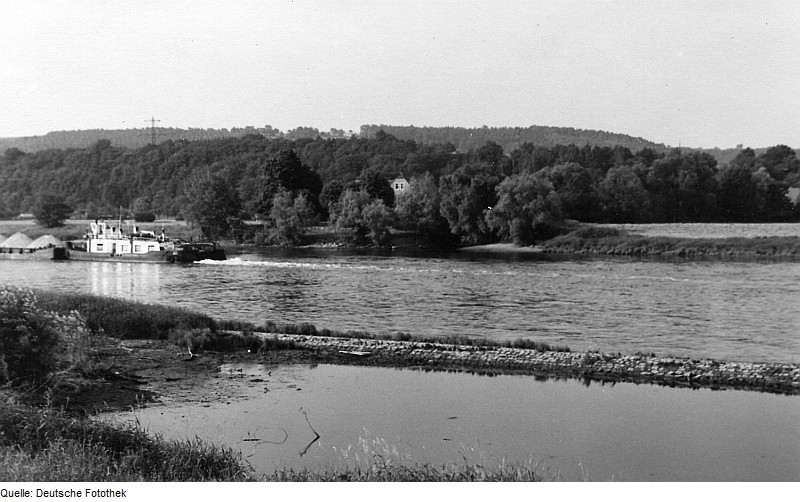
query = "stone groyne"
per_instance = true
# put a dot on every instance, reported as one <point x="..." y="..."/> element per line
<point x="587" y="366"/>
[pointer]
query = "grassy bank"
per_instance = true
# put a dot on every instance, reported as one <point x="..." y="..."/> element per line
<point x="614" y="241"/>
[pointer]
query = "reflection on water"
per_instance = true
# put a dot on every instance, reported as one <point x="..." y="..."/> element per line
<point x="622" y="432"/>
<point x="136" y="281"/>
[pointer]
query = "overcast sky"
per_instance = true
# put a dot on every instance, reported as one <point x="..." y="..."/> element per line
<point x="695" y="73"/>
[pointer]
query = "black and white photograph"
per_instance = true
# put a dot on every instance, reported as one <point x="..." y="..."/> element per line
<point x="316" y="241"/>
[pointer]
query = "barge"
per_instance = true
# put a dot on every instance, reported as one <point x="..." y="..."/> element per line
<point x="108" y="243"/>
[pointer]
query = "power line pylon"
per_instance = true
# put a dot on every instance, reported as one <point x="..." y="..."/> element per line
<point x="153" y="130"/>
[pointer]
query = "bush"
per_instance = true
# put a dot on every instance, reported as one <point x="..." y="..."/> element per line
<point x="34" y="342"/>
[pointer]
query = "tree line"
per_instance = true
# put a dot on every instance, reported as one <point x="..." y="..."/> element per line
<point x="478" y="196"/>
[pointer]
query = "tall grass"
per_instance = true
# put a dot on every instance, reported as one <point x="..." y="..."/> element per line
<point x="40" y="444"/>
<point x="125" y="319"/>
<point x="374" y="460"/>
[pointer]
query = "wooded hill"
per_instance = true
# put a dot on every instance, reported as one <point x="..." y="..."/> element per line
<point x="471" y="195"/>
<point x="462" y="138"/>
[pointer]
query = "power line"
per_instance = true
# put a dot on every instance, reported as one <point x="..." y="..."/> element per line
<point x="153" y="133"/>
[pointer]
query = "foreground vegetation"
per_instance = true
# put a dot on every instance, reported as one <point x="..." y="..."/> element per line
<point x="51" y="341"/>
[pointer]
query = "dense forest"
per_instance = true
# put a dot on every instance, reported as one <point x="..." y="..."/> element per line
<point x="480" y="195"/>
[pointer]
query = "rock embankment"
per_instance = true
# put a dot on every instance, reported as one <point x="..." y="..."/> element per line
<point x="587" y="366"/>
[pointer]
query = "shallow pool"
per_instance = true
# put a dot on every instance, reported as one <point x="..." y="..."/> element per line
<point x="621" y="432"/>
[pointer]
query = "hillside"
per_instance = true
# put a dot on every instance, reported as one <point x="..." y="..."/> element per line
<point x="464" y="139"/>
<point x="510" y="138"/>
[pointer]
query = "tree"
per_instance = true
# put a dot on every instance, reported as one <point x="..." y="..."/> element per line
<point x="329" y="197"/>
<point x="51" y="211"/>
<point x="780" y="162"/>
<point x="288" y="218"/>
<point x="697" y="187"/>
<point x="419" y="208"/>
<point x="283" y="169"/>
<point x="360" y="220"/>
<point x="771" y="203"/>
<point x="378" y="187"/>
<point x="736" y="199"/>
<point x="623" y="197"/>
<point x="575" y="187"/>
<point x="465" y="200"/>
<point x="527" y="209"/>
<point x="213" y="205"/>
<point x="746" y="159"/>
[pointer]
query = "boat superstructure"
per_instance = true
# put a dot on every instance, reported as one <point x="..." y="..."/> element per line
<point x="105" y="239"/>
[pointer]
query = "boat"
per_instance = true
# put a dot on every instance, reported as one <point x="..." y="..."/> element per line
<point x="104" y="242"/>
<point x="188" y="252"/>
<point x="21" y="247"/>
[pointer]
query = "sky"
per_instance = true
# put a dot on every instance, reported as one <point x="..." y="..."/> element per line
<point x="689" y="73"/>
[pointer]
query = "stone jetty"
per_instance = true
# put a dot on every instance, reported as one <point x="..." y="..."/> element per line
<point x="586" y="366"/>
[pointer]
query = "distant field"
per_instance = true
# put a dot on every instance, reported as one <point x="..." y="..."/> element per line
<point x="711" y="230"/>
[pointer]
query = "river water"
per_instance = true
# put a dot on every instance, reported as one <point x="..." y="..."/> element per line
<point x="728" y="310"/>
<point x="622" y="432"/>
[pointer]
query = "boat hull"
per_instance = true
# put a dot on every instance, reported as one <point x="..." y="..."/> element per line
<point x="188" y="253"/>
<point x="184" y="254"/>
<point x="151" y="257"/>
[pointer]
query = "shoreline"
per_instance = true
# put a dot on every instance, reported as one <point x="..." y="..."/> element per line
<point x="777" y="378"/>
<point x="136" y="372"/>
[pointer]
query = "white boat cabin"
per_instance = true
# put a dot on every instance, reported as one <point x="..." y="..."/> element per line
<point x="112" y="240"/>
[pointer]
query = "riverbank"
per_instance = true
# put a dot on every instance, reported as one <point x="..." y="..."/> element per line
<point x="586" y="366"/>
<point x="132" y="373"/>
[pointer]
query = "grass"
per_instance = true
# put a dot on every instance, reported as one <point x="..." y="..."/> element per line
<point x="125" y="319"/>
<point x="41" y="444"/>
<point x="613" y="241"/>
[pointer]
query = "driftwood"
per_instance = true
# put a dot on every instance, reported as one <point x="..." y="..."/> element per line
<point x="316" y="434"/>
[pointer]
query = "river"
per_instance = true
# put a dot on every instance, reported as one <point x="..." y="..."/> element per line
<point x="718" y="309"/>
